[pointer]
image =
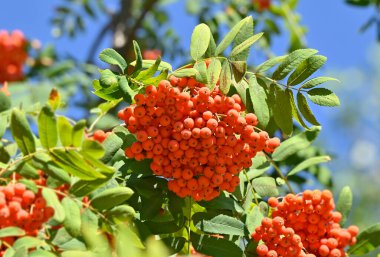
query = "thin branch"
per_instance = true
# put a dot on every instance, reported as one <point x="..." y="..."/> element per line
<point x="99" y="38"/>
<point x="132" y="31"/>
<point x="280" y="173"/>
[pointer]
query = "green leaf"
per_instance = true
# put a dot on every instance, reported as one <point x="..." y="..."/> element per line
<point x="111" y="197"/>
<point x="344" y="203"/>
<point x="78" y="133"/>
<point x="253" y="219"/>
<point x="215" y="247"/>
<point x="265" y="186"/>
<point x="156" y="80"/>
<point x="3" y="124"/>
<point x="146" y="64"/>
<point x="188" y="72"/>
<point x="259" y="100"/>
<point x="323" y="97"/>
<point x="316" y="81"/>
<point x="22" y="133"/>
<point x="306" y="69"/>
<point x="242" y="88"/>
<point x="295" y="113"/>
<point x="41" y="253"/>
<point x="128" y="92"/>
<point x="218" y="224"/>
<point x="53" y="201"/>
<point x="110" y="56"/>
<point x="57" y="173"/>
<point x="122" y="213"/>
<point x="4" y="155"/>
<point x="295" y="144"/>
<point x="246" y="44"/>
<point x="201" y="75"/>
<point x="243" y="34"/>
<point x="283" y="111"/>
<point x="11" y="231"/>
<point x="10" y="252"/>
<point x="367" y="241"/>
<point x="47" y="127"/>
<point x="270" y="63"/>
<point x="239" y="68"/>
<point x="291" y="62"/>
<point x="213" y="73"/>
<point x="107" y="78"/>
<point x="308" y="163"/>
<point x="111" y="145"/>
<point x="211" y="48"/>
<point x="92" y="148"/>
<point x="227" y="40"/>
<point x="74" y="163"/>
<point x="200" y="40"/>
<point x="138" y="65"/>
<point x="361" y="3"/>
<point x="5" y="102"/>
<point x="305" y="110"/>
<point x="145" y="74"/>
<point x="174" y="243"/>
<point x="75" y="253"/>
<point x="225" y="78"/>
<point x="21" y="252"/>
<point x="72" y="221"/>
<point x="27" y="242"/>
<point x="222" y="203"/>
<point x="65" y="131"/>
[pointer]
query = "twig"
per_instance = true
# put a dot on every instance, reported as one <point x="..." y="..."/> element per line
<point x="253" y="190"/>
<point x="280" y="173"/>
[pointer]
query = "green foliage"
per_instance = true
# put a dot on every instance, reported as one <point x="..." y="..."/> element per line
<point x="199" y="41"/>
<point x="111" y="197"/>
<point x="117" y="206"/>
<point x="367" y="241"/>
<point x="110" y="56"/>
<point x="344" y="203"/>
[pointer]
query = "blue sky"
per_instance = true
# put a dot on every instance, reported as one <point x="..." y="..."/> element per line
<point x="333" y="28"/>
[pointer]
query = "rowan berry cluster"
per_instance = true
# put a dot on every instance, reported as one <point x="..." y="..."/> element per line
<point x="262" y="5"/>
<point x="22" y="208"/>
<point x="304" y="225"/>
<point x="197" y="138"/>
<point x="100" y="136"/>
<point x="13" y="55"/>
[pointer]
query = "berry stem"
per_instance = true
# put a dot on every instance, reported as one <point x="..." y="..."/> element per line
<point x="280" y="173"/>
<point x="276" y="82"/>
<point x="253" y="190"/>
<point x="189" y="224"/>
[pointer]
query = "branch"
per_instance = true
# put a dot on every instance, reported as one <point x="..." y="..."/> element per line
<point x="98" y="40"/>
<point x="148" y="6"/>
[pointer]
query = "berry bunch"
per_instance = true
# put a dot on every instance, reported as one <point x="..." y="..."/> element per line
<point x="13" y="55"/>
<point x="197" y="138"/>
<point x="100" y="136"/>
<point x="152" y="54"/>
<point x="304" y="225"/>
<point x="22" y="208"/>
<point x="262" y="5"/>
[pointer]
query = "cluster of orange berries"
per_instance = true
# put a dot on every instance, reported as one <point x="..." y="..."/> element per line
<point x="13" y="55"/>
<point x="304" y="225"/>
<point x="197" y="138"/>
<point x="100" y="135"/>
<point x="22" y="208"/>
<point x="262" y="5"/>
